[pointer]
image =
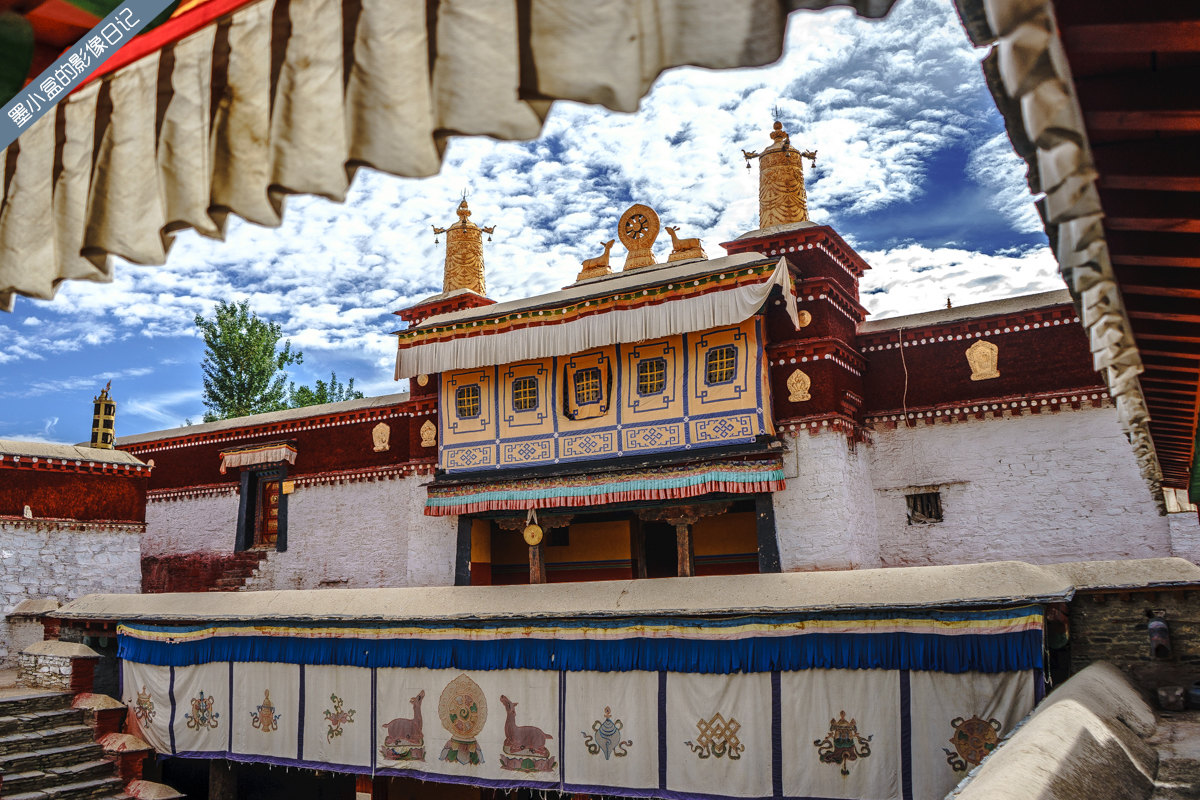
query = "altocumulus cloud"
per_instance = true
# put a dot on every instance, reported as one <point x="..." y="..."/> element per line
<point x="887" y="105"/>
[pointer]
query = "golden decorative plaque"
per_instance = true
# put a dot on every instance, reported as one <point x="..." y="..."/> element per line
<point x="798" y="384"/>
<point x="422" y="379"/>
<point x="983" y="357"/>
<point x="637" y="229"/>
<point x="428" y="434"/>
<point x="380" y="435"/>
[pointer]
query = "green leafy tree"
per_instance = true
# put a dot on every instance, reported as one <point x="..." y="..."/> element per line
<point x="332" y="392"/>
<point x="243" y="365"/>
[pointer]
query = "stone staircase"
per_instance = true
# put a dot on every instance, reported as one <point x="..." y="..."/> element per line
<point x="47" y="752"/>
<point x="237" y="569"/>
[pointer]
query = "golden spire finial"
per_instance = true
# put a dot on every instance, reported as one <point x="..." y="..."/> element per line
<point x="464" y="252"/>
<point x="782" y="198"/>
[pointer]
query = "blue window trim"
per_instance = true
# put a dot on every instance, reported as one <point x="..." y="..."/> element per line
<point x="536" y="397"/>
<point x="708" y="357"/>
<point x="575" y="380"/>
<point x="458" y="394"/>
<point x="638" y="376"/>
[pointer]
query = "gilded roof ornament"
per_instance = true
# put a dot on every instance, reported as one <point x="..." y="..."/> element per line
<point x="782" y="198"/>
<point x="464" y="252"/>
<point x="637" y="230"/>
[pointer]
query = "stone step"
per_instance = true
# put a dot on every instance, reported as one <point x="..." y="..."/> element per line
<point x="51" y="737"/>
<point x="42" y="779"/>
<point x="45" y="757"/>
<point x="40" y="720"/>
<point x="34" y="701"/>
<point x="84" y="790"/>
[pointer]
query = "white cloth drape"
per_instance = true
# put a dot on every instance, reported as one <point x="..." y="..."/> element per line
<point x="620" y="326"/>
<point x="125" y="182"/>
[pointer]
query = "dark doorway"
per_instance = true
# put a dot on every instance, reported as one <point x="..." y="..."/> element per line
<point x="660" y="551"/>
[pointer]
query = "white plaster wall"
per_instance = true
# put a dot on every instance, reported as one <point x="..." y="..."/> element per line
<point x="48" y="560"/>
<point x="191" y="525"/>
<point x="1185" y="535"/>
<point x="825" y="517"/>
<point x="1038" y="488"/>
<point x="361" y="535"/>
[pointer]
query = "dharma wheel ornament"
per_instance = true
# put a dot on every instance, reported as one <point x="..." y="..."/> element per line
<point x="637" y="230"/>
<point x="533" y="535"/>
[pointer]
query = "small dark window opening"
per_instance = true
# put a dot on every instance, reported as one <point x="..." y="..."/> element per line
<point x="467" y="401"/>
<point x="559" y="537"/>
<point x="106" y="423"/>
<point x="525" y="394"/>
<point x="924" y="508"/>
<point x="587" y="386"/>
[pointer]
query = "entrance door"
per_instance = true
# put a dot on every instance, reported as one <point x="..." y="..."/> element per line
<point x="659" y="550"/>
<point x="266" y="529"/>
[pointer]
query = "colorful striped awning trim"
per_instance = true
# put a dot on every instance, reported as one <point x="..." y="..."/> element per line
<point x="664" y="483"/>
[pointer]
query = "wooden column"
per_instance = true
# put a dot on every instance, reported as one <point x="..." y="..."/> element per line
<point x="537" y="562"/>
<point x="683" y="545"/>
<point x="768" y="543"/>
<point x="462" y="553"/>
<point x="222" y="780"/>
<point x="637" y="547"/>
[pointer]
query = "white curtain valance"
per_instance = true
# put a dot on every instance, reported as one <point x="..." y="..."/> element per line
<point x="618" y="326"/>
<point x="124" y="163"/>
<point x="272" y="453"/>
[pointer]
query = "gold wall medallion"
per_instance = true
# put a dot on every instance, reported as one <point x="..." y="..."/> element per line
<point x="637" y="229"/>
<point x="422" y="380"/>
<point x="533" y="535"/>
<point x="798" y="384"/>
<point x="380" y="435"/>
<point x="684" y="249"/>
<point x="804" y="318"/>
<point x="428" y="434"/>
<point x="983" y="357"/>
<point x="595" y="267"/>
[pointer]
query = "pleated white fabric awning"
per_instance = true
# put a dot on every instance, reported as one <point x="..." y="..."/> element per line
<point x="282" y="97"/>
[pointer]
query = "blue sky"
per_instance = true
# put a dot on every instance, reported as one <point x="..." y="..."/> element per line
<point x="913" y="170"/>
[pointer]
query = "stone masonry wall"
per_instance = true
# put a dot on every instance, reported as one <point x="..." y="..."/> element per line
<point x="1113" y="627"/>
<point x="191" y="525"/>
<point x="361" y="535"/>
<point x="1185" y="535"/>
<point x="64" y="561"/>
<point x="825" y="518"/>
<point x="1038" y="488"/>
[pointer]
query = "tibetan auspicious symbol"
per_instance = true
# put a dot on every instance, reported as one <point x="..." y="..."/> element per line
<point x="983" y="358"/>
<point x="684" y="249"/>
<point x="265" y="718"/>
<point x="524" y="745"/>
<point x="973" y="740"/>
<point x="428" y="434"/>
<point x="203" y="716"/>
<point x="337" y="717"/>
<point x="606" y="737"/>
<point x="464" y="252"/>
<point x="598" y="265"/>
<point x="718" y="738"/>
<point x="143" y="707"/>
<point x="380" y="435"/>
<point x="405" y="739"/>
<point x="843" y="743"/>
<point x="462" y="709"/>
<point x="798" y="384"/>
<point x="637" y="229"/>
<point x="782" y="198"/>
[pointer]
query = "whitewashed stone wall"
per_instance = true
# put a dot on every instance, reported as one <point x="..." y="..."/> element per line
<point x="50" y="559"/>
<point x="825" y="518"/>
<point x="1039" y="488"/>
<point x="361" y="535"/>
<point x="191" y="524"/>
<point x="1185" y="535"/>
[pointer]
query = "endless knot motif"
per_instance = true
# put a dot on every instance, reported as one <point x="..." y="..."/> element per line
<point x="718" y="738"/>
<point x="202" y="716"/>
<point x="143" y="708"/>
<point x="843" y="743"/>
<point x="973" y="740"/>
<point x="337" y="717"/>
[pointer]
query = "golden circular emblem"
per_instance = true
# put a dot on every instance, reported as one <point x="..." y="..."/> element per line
<point x="533" y="535"/>
<point x="638" y="227"/>
<point x="462" y="708"/>
<point x="422" y="379"/>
